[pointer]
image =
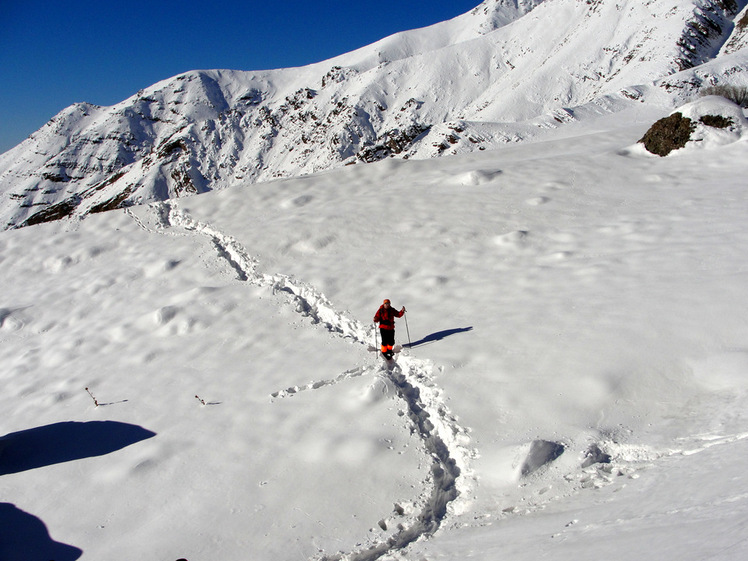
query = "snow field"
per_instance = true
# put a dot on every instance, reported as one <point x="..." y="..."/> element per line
<point x="132" y="343"/>
<point x="199" y="310"/>
<point x="610" y="269"/>
<point x="441" y="435"/>
<point x="571" y="291"/>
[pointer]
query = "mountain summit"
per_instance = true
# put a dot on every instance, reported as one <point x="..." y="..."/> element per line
<point x="506" y="71"/>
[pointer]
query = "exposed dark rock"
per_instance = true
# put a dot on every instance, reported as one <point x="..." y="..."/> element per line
<point x="183" y="182"/>
<point x="54" y="212"/>
<point x="115" y="202"/>
<point x="170" y="147"/>
<point x="55" y="177"/>
<point x="252" y="97"/>
<point x="717" y="121"/>
<point x="668" y="134"/>
<point x="336" y="74"/>
<point x="392" y="142"/>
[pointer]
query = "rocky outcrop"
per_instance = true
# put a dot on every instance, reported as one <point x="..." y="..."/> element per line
<point x="739" y="38"/>
<point x="706" y="32"/>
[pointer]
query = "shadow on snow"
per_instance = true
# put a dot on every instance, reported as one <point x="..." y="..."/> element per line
<point x="65" y="442"/>
<point x="23" y="537"/>
<point x="438" y="336"/>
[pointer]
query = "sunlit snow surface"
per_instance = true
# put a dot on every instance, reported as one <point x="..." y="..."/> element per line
<point x="576" y="291"/>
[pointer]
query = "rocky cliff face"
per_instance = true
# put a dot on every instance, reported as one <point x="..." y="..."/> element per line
<point x="739" y="38"/>
<point x="503" y="72"/>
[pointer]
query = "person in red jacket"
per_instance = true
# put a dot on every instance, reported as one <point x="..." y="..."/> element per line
<point x="385" y="317"/>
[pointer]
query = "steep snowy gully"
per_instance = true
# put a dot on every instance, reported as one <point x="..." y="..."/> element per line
<point x="443" y="438"/>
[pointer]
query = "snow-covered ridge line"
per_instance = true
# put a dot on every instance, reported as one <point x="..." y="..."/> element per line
<point x="444" y="439"/>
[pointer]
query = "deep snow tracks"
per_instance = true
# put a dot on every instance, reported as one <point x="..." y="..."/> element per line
<point x="443" y="438"/>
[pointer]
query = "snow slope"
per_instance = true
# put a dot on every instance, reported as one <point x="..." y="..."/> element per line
<point x="506" y="72"/>
<point x="190" y="379"/>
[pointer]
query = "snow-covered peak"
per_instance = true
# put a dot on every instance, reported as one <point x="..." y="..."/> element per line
<point x="485" y="18"/>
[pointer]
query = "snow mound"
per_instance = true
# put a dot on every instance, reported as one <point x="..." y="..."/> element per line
<point x="718" y="120"/>
<point x="477" y="177"/>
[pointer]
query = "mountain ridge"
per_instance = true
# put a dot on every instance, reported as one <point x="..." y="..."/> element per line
<point x="506" y="71"/>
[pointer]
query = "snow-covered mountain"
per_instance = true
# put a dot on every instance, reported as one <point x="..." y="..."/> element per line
<point x="505" y="72"/>
<point x="194" y="378"/>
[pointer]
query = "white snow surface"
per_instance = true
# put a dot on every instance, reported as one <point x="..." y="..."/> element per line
<point x="191" y="379"/>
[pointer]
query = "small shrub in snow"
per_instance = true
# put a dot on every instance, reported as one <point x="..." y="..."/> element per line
<point x="96" y="401"/>
<point x="736" y="94"/>
<point x="743" y="22"/>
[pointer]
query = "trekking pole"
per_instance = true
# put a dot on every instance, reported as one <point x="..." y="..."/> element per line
<point x="405" y="315"/>
<point x="376" y="339"/>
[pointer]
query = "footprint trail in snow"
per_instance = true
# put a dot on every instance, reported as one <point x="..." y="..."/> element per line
<point x="443" y="438"/>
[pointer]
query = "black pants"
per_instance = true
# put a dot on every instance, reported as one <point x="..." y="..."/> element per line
<point x="388" y="337"/>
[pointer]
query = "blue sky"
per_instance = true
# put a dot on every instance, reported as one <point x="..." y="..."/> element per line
<point x="54" y="53"/>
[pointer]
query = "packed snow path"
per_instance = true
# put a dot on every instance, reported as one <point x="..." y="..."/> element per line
<point x="443" y="438"/>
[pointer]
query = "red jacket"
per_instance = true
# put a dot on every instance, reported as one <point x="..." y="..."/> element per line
<point x="386" y="317"/>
